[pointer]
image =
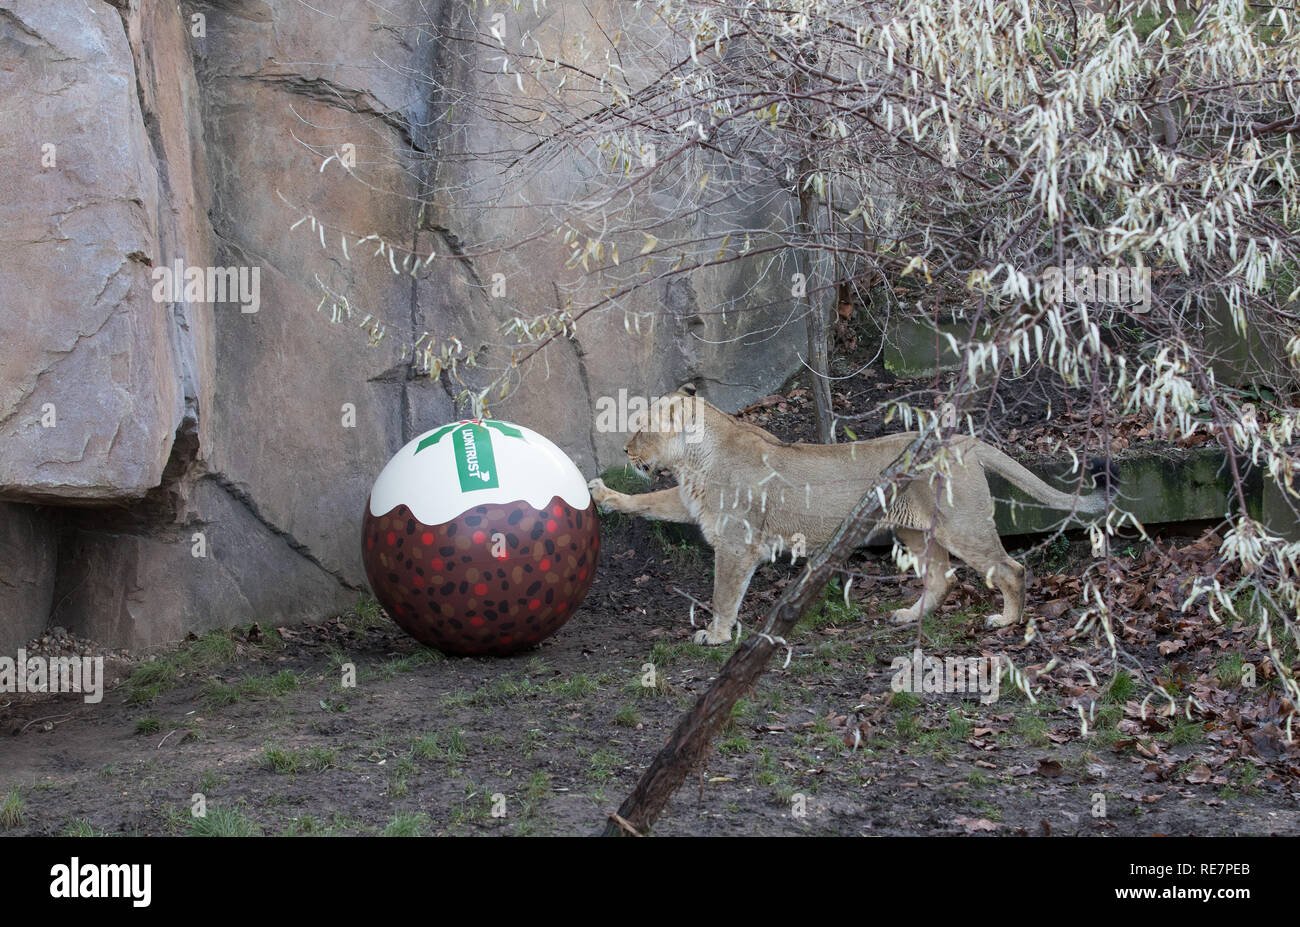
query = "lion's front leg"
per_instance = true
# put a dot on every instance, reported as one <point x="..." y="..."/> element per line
<point x="732" y="571"/>
<point x="664" y="505"/>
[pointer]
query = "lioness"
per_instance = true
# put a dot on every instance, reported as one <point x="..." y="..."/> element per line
<point x="753" y="496"/>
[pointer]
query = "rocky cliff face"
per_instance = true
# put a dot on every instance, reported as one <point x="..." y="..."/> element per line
<point x="169" y="464"/>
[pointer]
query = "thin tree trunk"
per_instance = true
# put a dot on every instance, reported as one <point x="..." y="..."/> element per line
<point x="689" y="743"/>
<point x="818" y="334"/>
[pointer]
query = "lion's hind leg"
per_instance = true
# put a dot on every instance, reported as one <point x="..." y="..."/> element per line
<point x="932" y="563"/>
<point x="983" y="552"/>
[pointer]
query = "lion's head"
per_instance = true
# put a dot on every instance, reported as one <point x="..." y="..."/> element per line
<point x="661" y="440"/>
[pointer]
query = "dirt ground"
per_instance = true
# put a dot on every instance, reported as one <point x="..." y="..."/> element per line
<point x="259" y="728"/>
<point x="260" y="725"/>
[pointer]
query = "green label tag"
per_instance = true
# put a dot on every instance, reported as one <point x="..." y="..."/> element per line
<point x="475" y="463"/>
<point x="489" y="423"/>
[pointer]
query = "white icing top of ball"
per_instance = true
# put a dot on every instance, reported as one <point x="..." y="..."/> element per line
<point x="449" y="470"/>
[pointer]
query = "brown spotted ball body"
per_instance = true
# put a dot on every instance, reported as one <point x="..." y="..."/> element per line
<point x="464" y="590"/>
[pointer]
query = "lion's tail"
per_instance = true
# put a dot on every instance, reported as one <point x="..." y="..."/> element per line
<point x="1018" y="476"/>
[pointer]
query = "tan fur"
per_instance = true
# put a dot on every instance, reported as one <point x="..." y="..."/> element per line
<point x="754" y="497"/>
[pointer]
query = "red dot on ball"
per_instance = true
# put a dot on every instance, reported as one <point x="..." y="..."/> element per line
<point x="557" y="511"/>
<point x="551" y="526"/>
<point x="480" y="589"/>
<point x="476" y="621"/>
<point x="436" y="565"/>
<point x="545" y="564"/>
<point x="479" y="537"/>
<point x="534" y="605"/>
<point x="427" y="539"/>
<point x="417" y="582"/>
<point x="392" y="539"/>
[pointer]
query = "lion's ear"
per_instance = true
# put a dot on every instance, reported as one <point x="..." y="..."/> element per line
<point x="687" y="389"/>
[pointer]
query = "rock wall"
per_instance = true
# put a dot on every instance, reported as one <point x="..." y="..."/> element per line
<point x="170" y="465"/>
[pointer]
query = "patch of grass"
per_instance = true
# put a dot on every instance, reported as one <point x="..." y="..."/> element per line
<point x="735" y="745"/>
<point x="423" y="656"/>
<point x="579" y="685"/>
<point x="664" y="654"/>
<point x="81" y="827"/>
<point x="1183" y="732"/>
<point x="305" y="826"/>
<point x="311" y="759"/>
<point x="907" y="727"/>
<point x="148" y="726"/>
<point x="947" y="630"/>
<point x="539" y="785"/>
<point x="1242" y="779"/>
<point x="426" y="746"/>
<point x="225" y="822"/>
<point x="1032" y="729"/>
<point x="830" y="611"/>
<point x="366" y="615"/>
<point x="1230" y="670"/>
<point x="626" y="479"/>
<point x="457" y="746"/>
<point x="408" y="824"/>
<point x="1105" y="720"/>
<point x="504" y="690"/>
<point x="1121" y="688"/>
<point x="533" y="739"/>
<point x="162" y="673"/>
<point x="742" y="712"/>
<point x="682" y="553"/>
<point x="13" y="809"/>
<point x="220" y="694"/>
<point x="475" y="806"/>
<point x="904" y="701"/>
<point x="959" y="727"/>
<point x="150" y="680"/>
<point x="627" y="715"/>
<point x="935" y="742"/>
<point x="602" y="764"/>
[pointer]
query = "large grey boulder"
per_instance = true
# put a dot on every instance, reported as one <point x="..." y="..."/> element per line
<point x="206" y="465"/>
<point x="89" y="397"/>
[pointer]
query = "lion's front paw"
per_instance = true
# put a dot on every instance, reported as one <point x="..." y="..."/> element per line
<point x="712" y="636"/>
<point x="601" y="493"/>
<point x="998" y="621"/>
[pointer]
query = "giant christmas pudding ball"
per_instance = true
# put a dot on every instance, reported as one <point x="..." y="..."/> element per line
<point x="480" y="538"/>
